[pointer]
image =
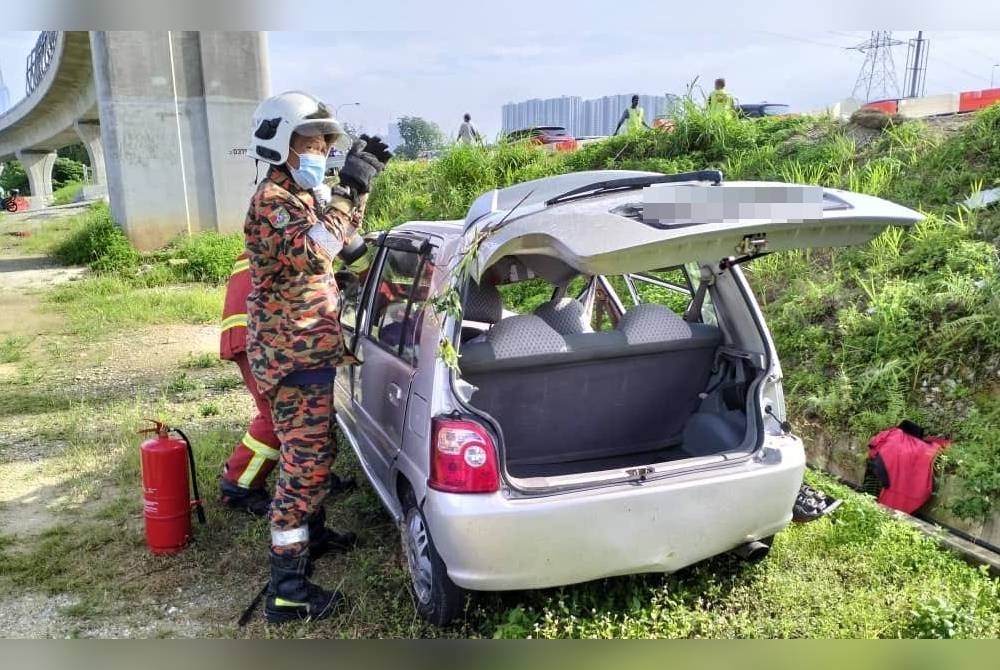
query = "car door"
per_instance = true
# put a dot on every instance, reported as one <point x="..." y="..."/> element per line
<point x="387" y="345"/>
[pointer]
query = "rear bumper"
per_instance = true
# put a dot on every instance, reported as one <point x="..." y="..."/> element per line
<point x="492" y="543"/>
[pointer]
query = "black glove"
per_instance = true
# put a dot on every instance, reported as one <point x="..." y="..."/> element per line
<point x="378" y="148"/>
<point x="364" y="162"/>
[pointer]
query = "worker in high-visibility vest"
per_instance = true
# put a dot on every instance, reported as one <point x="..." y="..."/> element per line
<point x="720" y="97"/>
<point x="255" y="455"/>
<point x="633" y="116"/>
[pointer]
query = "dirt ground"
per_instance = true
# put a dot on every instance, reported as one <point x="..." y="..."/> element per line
<point x="36" y="491"/>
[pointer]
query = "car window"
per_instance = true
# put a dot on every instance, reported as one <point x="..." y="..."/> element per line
<point x="349" y="297"/>
<point x="399" y="302"/>
<point x="672" y="287"/>
<point x="524" y="297"/>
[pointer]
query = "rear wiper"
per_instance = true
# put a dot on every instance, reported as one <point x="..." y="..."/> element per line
<point x="626" y="183"/>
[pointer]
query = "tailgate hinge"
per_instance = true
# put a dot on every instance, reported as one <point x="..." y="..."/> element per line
<point x="751" y="245"/>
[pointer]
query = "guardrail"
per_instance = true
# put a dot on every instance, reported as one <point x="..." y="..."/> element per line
<point x="40" y="59"/>
<point x="938" y="105"/>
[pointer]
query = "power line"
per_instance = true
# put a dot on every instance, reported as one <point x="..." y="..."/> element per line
<point x="938" y="59"/>
<point x="801" y="39"/>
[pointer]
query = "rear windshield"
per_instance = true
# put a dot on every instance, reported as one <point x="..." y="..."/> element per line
<point x="554" y="132"/>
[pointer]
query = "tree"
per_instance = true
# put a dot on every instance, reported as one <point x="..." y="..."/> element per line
<point x="418" y="135"/>
<point x="65" y="171"/>
<point x="13" y="177"/>
<point x="76" y="152"/>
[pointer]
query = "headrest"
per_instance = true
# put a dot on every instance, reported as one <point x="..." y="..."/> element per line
<point x="648" y="323"/>
<point x="566" y="315"/>
<point x="483" y="304"/>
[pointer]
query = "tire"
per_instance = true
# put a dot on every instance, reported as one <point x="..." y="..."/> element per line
<point x="11" y="205"/>
<point x="438" y="600"/>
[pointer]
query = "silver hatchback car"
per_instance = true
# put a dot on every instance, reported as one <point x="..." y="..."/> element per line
<point x="617" y="405"/>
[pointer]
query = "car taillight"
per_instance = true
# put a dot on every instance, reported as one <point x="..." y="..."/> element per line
<point x="463" y="458"/>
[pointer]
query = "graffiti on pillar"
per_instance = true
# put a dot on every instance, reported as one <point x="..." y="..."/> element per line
<point x="40" y="59"/>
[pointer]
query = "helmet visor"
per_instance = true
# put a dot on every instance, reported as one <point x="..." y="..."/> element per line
<point x="315" y="127"/>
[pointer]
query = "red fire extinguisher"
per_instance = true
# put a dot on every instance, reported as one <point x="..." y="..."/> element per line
<point x="166" y="464"/>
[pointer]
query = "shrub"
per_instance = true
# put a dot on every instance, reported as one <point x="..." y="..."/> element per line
<point x="66" y="170"/>
<point x="99" y="243"/>
<point x="207" y="256"/>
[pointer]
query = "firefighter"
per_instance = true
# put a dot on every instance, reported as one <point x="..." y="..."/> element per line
<point x="294" y="341"/>
<point x="255" y="455"/>
<point x="633" y="116"/>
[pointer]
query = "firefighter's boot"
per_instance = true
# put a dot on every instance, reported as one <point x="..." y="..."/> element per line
<point x="323" y="540"/>
<point x="292" y="597"/>
<point x="256" y="501"/>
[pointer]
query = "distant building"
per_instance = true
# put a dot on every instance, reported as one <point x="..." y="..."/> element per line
<point x="581" y="117"/>
<point x="4" y="95"/>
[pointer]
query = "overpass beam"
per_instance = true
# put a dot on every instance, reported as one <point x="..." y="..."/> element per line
<point x="89" y="133"/>
<point x="38" y="165"/>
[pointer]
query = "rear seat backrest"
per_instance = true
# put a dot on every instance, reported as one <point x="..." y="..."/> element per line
<point x="566" y="316"/>
<point x="646" y="324"/>
<point x="524" y="335"/>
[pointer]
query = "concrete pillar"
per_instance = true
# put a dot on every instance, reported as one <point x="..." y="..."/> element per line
<point x="175" y="110"/>
<point x="89" y="133"/>
<point x="38" y="165"/>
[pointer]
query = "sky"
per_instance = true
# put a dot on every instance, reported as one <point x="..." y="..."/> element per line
<point x="442" y="74"/>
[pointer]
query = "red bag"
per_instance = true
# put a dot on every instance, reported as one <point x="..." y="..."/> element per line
<point x="908" y="463"/>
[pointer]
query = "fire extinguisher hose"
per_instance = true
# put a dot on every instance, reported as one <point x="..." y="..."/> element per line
<point x="194" y="476"/>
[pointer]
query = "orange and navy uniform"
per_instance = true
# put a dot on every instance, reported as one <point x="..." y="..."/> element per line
<point x="255" y="455"/>
<point x="294" y="341"/>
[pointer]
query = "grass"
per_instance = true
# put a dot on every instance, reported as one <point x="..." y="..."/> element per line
<point x="13" y="348"/>
<point x="106" y="304"/>
<point x="67" y="193"/>
<point x="203" y="361"/>
<point x="44" y="240"/>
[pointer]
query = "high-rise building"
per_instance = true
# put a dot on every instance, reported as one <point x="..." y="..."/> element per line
<point x="4" y="94"/>
<point x="581" y="117"/>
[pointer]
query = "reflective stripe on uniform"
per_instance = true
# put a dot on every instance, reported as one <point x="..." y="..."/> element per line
<point x="281" y="602"/>
<point x="283" y="538"/>
<point x="233" y="321"/>
<point x="261" y="455"/>
<point x="240" y="266"/>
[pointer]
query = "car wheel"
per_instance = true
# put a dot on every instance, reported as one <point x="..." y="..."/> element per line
<point x="438" y="599"/>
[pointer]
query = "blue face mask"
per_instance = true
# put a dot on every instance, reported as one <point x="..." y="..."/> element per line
<point x="311" y="169"/>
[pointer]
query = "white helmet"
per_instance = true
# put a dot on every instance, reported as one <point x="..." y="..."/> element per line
<point x="276" y="118"/>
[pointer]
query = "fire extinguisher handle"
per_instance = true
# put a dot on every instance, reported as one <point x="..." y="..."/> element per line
<point x="194" y="477"/>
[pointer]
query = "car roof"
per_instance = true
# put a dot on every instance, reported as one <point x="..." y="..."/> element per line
<point x="442" y="229"/>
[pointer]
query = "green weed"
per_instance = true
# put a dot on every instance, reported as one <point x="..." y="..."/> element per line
<point x="99" y="243"/>
<point x="13" y="348"/>
<point x="103" y="304"/>
<point x="67" y="193"/>
<point x="202" y="361"/>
